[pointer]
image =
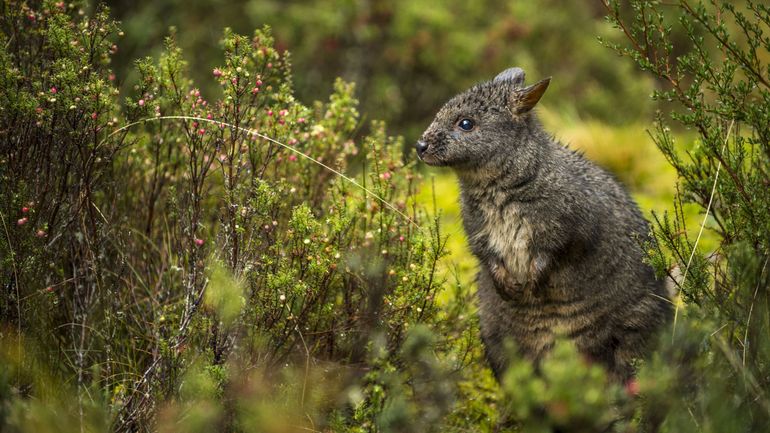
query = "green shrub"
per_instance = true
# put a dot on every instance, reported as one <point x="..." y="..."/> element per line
<point x="713" y="372"/>
<point x="165" y="264"/>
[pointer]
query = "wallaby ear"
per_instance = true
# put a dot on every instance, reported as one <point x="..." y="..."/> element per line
<point x="514" y="75"/>
<point x="526" y="98"/>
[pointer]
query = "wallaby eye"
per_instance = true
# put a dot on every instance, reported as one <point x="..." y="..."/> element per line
<point x="466" y="124"/>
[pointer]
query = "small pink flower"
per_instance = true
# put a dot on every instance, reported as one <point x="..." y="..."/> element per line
<point x="292" y="141"/>
<point x="39" y="110"/>
<point x="255" y="90"/>
<point x="195" y="125"/>
<point x="199" y="242"/>
<point x="24" y="209"/>
<point x="283" y="112"/>
<point x="49" y="289"/>
<point x="386" y="175"/>
<point x="217" y="72"/>
<point x="141" y="102"/>
<point x="301" y="120"/>
<point x="209" y="116"/>
<point x="270" y="113"/>
<point x="111" y="77"/>
<point x="201" y="131"/>
<point x="292" y="157"/>
<point x="53" y="90"/>
<point x="282" y="121"/>
<point x="269" y="65"/>
<point x="22" y="221"/>
<point x="632" y="387"/>
<point x="258" y="82"/>
<point x="94" y="116"/>
<point x="401" y="238"/>
<point x="41" y="234"/>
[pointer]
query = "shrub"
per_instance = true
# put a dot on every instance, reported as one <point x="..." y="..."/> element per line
<point x="712" y="374"/>
<point x="166" y="264"/>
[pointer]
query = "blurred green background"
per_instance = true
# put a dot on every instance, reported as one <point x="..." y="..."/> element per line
<point x="407" y="57"/>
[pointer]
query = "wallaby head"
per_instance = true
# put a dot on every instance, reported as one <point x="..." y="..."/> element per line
<point x="482" y="123"/>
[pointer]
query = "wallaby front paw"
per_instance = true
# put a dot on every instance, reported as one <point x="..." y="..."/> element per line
<point x="507" y="285"/>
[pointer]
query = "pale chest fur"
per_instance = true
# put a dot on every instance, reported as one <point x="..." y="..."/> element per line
<point x="508" y="236"/>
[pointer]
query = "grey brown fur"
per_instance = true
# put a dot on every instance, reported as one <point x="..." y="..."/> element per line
<point x="558" y="240"/>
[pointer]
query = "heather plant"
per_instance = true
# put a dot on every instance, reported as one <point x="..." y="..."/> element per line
<point x="169" y="259"/>
<point x="712" y="372"/>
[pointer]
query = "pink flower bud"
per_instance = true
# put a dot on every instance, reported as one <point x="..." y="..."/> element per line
<point x="201" y="131"/>
<point x="301" y="120"/>
<point x="53" y="90"/>
<point x="270" y="113"/>
<point x="141" y="102"/>
<point x="217" y="72"/>
<point x="199" y="242"/>
<point x="22" y="221"/>
<point x="24" y="209"/>
<point x="94" y="116"/>
<point x="41" y="234"/>
<point x="292" y="157"/>
<point x="632" y="387"/>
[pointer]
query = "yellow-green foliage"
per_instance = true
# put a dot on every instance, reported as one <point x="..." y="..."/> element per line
<point x="224" y="293"/>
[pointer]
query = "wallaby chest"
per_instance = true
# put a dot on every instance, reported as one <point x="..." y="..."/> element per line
<point x="499" y="234"/>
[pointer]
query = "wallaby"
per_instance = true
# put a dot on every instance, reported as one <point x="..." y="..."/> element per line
<point x="559" y="241"/>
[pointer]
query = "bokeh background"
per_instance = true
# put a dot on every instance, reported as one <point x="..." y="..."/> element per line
<point x="407" y="57"/>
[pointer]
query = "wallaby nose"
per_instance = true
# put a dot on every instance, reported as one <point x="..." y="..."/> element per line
<point x="421" y="147"/>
